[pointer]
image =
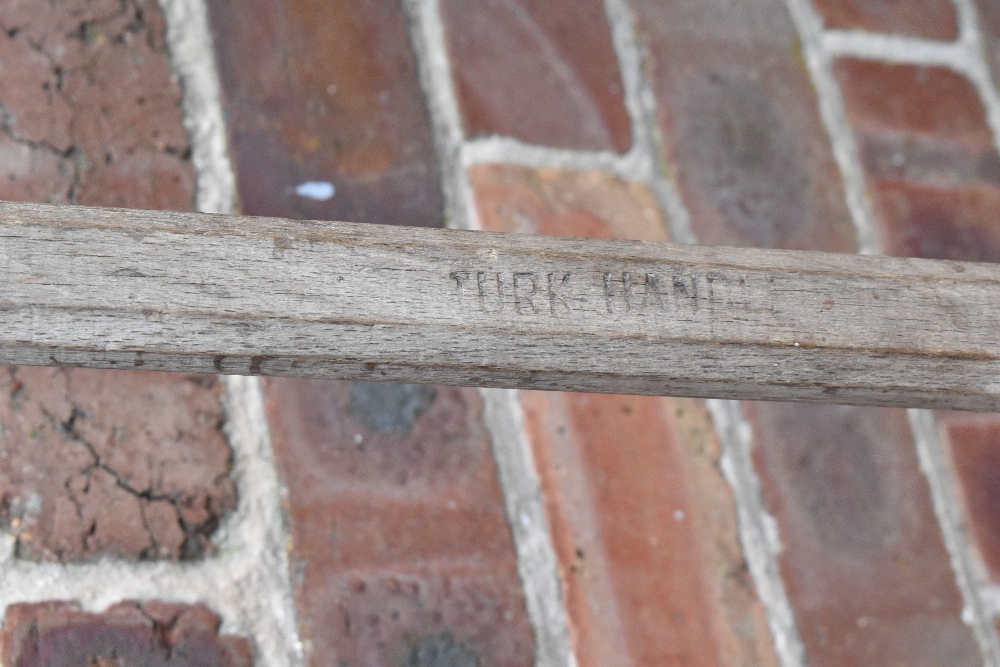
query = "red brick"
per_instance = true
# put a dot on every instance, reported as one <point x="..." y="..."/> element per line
<point x="101" y="463"/>
<point x="400" y="546"/>
<point x="425" y="615"/>
<point x="973" y="441"/>
<point x="543" y="71"/>
<point x="560" y="202"/>
<point x="863" y="560"/>
<point x="643" y="523"/>
<point x="932" y="19"/>
<point x="332" y="95"/>
<point x="929" y="158"/>
<point x="741" y="130"/>
<point x="154" y="634"/>
<point x="91" y="112"/>
<point x="130" y="464"/>
<point x="922" y="102"/>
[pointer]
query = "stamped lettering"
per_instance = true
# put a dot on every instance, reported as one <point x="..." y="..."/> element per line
<point x="524" y="301"/>
<point x="617" y="293"/>
<point x="557" y="288"/>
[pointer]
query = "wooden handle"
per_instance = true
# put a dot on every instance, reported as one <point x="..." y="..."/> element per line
<point x="107" y="288"/>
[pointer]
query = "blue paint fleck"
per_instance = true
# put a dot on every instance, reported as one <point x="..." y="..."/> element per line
<point x="318" y="190"/>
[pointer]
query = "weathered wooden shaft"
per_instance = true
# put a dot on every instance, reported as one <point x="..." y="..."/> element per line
<point x="108" y="288"/>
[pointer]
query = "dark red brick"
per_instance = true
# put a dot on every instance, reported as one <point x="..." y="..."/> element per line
<point x="973" y="441"/>
<point x="130" y="464"/>
<point x="543" y="71"/>
<point x="153" y="634"/>
<point x="932" y="19"/>
<point x="327" y="92"/>
<point x="863" y="560"/>
<point x="929" y="158"/>
<point x="741" y="131"/>
<point x="90" y="111"/>
<point x="400" y="546"/>
<point x="643" y="524"/>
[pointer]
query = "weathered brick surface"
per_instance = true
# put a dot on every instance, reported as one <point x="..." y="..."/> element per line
<point x="740" y="124"/>
<point x="929" y="158"/>
<point x="973" y="442"/>
<point x="153" y="634"/>
<point x="101" y="463"/>
<point x="89" y="112"/>
<point x="543" y="71"/>
<point x="130" y="464"/>
<point x="400" y="548"/>
<point x="643" y="523"/>
<point x="326" y="92"/>
<point x="863" y="558"/>
<point x="933" y="19"/>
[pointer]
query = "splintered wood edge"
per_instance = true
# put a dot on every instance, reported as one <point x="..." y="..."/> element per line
<point x="111" y="288"/>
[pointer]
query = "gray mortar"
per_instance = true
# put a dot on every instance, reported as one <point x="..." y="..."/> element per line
<point x="193" y="60"/>
<point x="536" y="558"/>
<point x="758" y="530"/>
<point x="819" y="61"/>
<point x="427" y="39"/>
<point x="646" y="139"/>
<point x="969" y="574"/>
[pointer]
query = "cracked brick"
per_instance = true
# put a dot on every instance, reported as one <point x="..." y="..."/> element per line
<point x="94" y="463"/>
<point x="89" y="111"/>
<point x="99" y="463"/>
<point x="155" y="634"/>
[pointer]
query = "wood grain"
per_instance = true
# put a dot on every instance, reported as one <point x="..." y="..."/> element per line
<point x="109" y="288"/>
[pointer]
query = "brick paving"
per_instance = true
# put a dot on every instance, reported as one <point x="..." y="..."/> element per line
<point x="928" y="153"/>
<point x="125" y="464"/>
<point x="90" y="110"/>
<point x="542" y="71"/>
<point x="864" y="560"/>
<point x="740" y="125"/>
<point x="667" y="531"/>
<point x="104" y="464"/>
<point x="154" y="634"/>
<point x="632" y="541"/>
<point x="333" y="97"/>
<point x="397" y="527"/>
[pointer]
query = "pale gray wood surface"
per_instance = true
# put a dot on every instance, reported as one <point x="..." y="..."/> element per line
<point x="139" y="289"/>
